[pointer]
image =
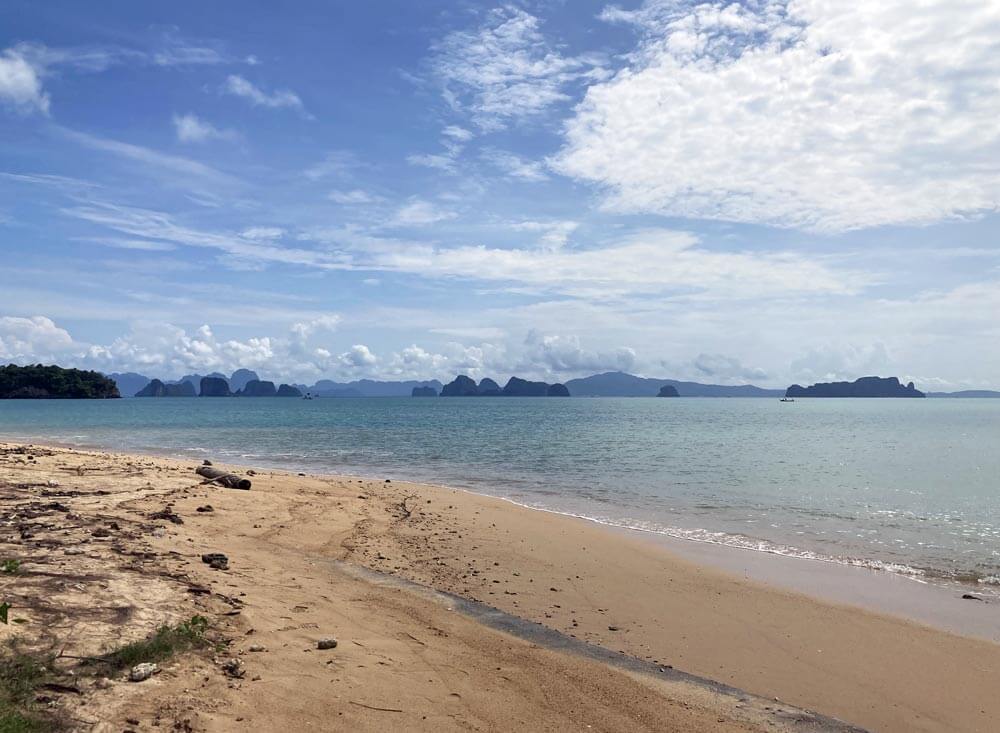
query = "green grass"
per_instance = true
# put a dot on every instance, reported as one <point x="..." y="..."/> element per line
<point x="163" y="644"/>
<point x="20" y="676"/>
<point x="10" y="567"/>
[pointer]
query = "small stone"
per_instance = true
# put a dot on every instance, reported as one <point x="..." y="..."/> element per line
<point x="613" y="628"/>
<point x="206" y="508"/>
<point x="216" y="560"/>
<point x="132" y="721"/>
<point x="234" y="668"/>
<point x="257" y="648"/>
<point x="143" y="671"/>
<point x="329" y="643"/>
<point x="970" y="597"/>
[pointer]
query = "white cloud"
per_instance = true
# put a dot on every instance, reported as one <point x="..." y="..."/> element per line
<point x="726" y="368"/>
<point x="430" y="160"/>
<point x="805" y="113"/>
<point x="32" y="339"/>
<point x="263" y="233"/>
<point x="418" y="212"/>
<point x="663" y="262"/>
<point x="306" y="329"/>
<point x="353" y="197"/>
<point x="505" y="70"/>
<point x="565" y="355"/>
<point x="21" y="83"/>
<point x="514" y="166"/>
<point x="336" y="163"/>
<point x="192" y="172"/>
<point x="280" y="98"/>
<point x="552" y="234"/>
<point x="458" y="134"/>
<point x="191" y="129"/>
<point x="357" y="357"/>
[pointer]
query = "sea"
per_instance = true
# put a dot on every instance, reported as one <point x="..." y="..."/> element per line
<point x="909" y="486"/>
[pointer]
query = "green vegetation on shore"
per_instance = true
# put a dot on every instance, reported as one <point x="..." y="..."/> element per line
<point x="47" y="382"/>
<point x="165" y="642"/>
<point x="21" y="676"/>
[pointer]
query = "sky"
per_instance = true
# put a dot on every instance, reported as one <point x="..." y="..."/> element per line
<point x="766" y="191"/>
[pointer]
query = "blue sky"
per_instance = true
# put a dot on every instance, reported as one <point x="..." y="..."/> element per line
<point x="764" y="191"/>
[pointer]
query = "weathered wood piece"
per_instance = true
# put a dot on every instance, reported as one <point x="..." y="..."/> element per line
<point x="229" y="480"/>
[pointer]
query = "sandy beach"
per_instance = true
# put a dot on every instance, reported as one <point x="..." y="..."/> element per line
<point x="97" y="569"/>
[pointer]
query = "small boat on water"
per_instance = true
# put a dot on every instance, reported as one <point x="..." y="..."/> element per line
<point x="787" y="399"/>
<point x="307" y="396"/>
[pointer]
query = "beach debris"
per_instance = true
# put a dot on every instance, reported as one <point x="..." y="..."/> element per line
<point x="100" y="532"/>
<point x="614" y="628"/>
<point x="234" y="668"/>
<point x="327" y="643"/>
<point x="206" y="462"/>
<point x="224" y="478"/>
<point x="168" y="514"/>
<point x="970" y="597"/>
<point x="216" y="560"/>
<point x="143" y="671"/>
<point x="206" y="508"/>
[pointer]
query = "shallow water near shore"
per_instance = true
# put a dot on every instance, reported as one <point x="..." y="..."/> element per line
<point x="909" y="486"/>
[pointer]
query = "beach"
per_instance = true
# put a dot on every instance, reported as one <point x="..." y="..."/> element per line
<point x="302" y="550"/>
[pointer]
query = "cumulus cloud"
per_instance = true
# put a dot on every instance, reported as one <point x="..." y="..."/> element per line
<point x="191" y="129"/>
<point x="565" y="355"/>
<point x="806" y="114"/>
<point x="33" y="339"/>
<point x="358" y="357"/>
<point x="21" y="83"/>
<point x="505" y="70"/>
<point x="278" y="99"/>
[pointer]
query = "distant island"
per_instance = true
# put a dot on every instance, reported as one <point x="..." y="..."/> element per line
<point x="216" y="385"/>
<point x="156" y="388"/>
<point x="863" y="387"/>
<point x="668" y="390"/>
<point x="622" y="384"/>
<point x="465" y="386"/>
<point x="607" y="384"/>
<point x="53" y="382"/>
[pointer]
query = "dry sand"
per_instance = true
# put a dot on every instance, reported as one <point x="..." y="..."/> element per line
<point x="411" y="660"/>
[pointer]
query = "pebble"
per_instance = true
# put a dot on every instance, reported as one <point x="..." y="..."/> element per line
<point x="330" y="643"/>
<point x="216" y="560"/>
<point x="257" y="648"/>
<point x="142" y="672"/>
<point x="234" y="668"/>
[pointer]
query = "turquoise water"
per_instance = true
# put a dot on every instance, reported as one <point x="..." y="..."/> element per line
<point x="910" y="485"/>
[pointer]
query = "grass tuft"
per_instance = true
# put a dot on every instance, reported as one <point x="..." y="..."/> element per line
<point x="20" y="676"/>
<point x="163" y="644"/>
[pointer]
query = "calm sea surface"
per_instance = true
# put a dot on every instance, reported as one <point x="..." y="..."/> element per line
<point x="909" y="485"/>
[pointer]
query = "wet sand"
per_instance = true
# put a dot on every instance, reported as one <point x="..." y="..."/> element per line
<point x="405" y="661"/>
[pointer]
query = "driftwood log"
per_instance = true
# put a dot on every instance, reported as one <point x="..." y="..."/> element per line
<point x="229" y="480"/>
